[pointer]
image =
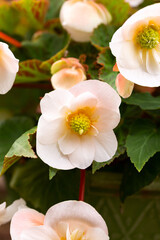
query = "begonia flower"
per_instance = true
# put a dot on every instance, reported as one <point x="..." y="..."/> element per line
<point x="136" y="46"/>
<point x="69" y="220"/>
<point x="8" y="68"/>
<point x="6" y="213"/>
<point x="66" y="73"/>
<point x="134" y="3"/>
<point x="81" y="17"/>
<point x="76" y="125"/>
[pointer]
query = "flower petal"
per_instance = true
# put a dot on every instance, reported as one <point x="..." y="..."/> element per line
<point x="51" y="155"/>
<point x="53" y="102"/>
<point x="68" y="143"/>
<point x="49" y="132"/>
<point x="85" y="99"/>
<point x="83" y="155"/>
<point x="124" y="87"/>
<point x="6" y="214"/>
<point x="24" y="219"/>
<point x="106" y="95"/>
<point x="153" y="62"/>
<point x="107" y="119"/>
<point x="75" y="211"/>
<point x="105" y="146"/>
<point x="96" y="234"/>
<point x="39" y="233"/>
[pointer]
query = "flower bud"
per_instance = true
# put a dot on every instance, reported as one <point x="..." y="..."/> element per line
<point x="81" y="17"/>
<point x="66" y="73"/>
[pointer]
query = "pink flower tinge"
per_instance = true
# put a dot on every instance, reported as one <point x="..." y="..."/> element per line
<point x="81" y="17"/>
<point x="76" y="126"/>
<point x="69" y="220"/>
<point x="66" y="73"/>
<point x="136" y="46"/>
<point x="9" y="66"/>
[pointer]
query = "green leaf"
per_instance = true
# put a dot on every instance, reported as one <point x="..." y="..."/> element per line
<point x="52" y="172"/>
<point x="10" y="130"/>
<point x="33" y="11"/>
<point x="107" y="61"/>
<point x="30" y="71"/>
<point x="32" y="183"/>
<point x="46" y="45"/>
<point x="87" y="55"/>
<point x="102" y="36"/>
<point x="143" y="141"/>
<point x="133" y="181"/>
<point x="118" y="9"/>
<point x="46" y="65"/>
<point x="9" y="18"/>
<point x="54" y="7"/>
<point x="144" y="100"/>
<point x="20" y="148"/>
<point x="20" y="101"/>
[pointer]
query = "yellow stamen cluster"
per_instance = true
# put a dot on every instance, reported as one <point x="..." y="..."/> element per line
<point x="79" y="123"/>
<point x="148" y="38"/>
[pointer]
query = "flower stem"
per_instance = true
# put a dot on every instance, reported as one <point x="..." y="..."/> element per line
<point x="10" y="40"/>
<point x="82" y="185"/>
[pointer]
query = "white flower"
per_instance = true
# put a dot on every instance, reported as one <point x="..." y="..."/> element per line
<point x="6" y="214"/>
<point x="8" y="68"/>
<point x="81" y="17"/>
<point x="134" y="3"/>
<point x="66" y="73"/>
<point x="76" y="126"/>
<point x="136" y="46"/>
<point x="69" y="220"/>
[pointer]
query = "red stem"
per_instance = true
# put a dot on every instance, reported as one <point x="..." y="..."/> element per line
<point x="11" y="40"/>
<point x="33" y="85"/>
<point x="82" y="185"/>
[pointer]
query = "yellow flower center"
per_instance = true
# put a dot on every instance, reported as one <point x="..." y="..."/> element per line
<point x="148" y="37"/>
<point x="79" y="123"/>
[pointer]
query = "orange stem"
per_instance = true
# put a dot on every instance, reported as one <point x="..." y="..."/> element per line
<point x="10" y="40"/>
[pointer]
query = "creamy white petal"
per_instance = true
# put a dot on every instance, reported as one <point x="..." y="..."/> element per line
<point x="85" y="99"/>
<point x="83" y="155"/>
<point x="51" y="155"/>
<point x="6" y="214"/>
<point x="107" y="119"/>
<point x="106" y="95"/>
<point x="105" y="146"/>
<point x="71" y="14"/>
<point x="49" y="132"/>
<point x="153" y="62"/>
<point x="69" y="142"/>
<point x="140" y="77"/>
<point x="96" y="234"/>
<point x="53" y="104"/>
<point x="76" y="212"/>
<point x="39" y="233"/>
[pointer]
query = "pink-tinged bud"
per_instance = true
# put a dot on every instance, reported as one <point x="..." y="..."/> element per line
<point x="67" y="72"/>
<point x="80" y="17"/>
<point x="124" y="86"/>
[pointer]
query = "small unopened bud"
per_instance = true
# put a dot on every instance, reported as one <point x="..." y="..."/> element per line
<point x="66" y="73"/>
<point x="81" y="17"/>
